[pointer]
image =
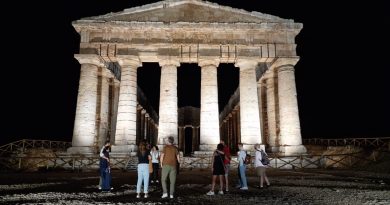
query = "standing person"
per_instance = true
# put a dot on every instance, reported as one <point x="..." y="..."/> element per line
<point x="155" y="163"/>
<point x="260" y="167"/>
<point x="218" y="169"/>
<point x="169" y="158"/>
<point x="143" y="169"/>
<point x="105" y="170"/>
<point x="241" y="154"/>
<point x="226" y="161"/>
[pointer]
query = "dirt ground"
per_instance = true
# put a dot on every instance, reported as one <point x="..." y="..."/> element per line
<point x="287" y="187"/>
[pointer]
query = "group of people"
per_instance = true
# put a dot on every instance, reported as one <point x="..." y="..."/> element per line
<point x="148" y="159"/>
<point x="221" y="166"/>
<point x="151" y="160"/>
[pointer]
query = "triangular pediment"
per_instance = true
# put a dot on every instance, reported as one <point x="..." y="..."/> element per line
<point x="192" y="11"/>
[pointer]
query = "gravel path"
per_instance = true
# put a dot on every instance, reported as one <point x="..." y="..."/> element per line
<point x="287" y="187"/>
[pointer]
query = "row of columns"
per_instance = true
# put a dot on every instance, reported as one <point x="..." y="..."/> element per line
<point x="147" y="128"/>
<point x="230" y="129"/>
<point x="278" y="111"/>
<point x="195" y="139"/>
<point x="107" y="108"/>
<point x="249" y="112"/>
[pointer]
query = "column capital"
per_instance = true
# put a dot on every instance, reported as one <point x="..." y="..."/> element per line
<point x="245" y="64"/>
<point x="90" y="59"/>
<point x="208" y="62"/>
<point x="169" y="62"/>
<point x="284" y="62"/>
<point x="129" y="60"/>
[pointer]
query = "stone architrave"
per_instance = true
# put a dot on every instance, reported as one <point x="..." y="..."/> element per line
<point x="84" y="132"/>
<point x="209" y="112"/>
<point x="273" y="140"/>
<point x="125" y="136"/>
<point x="249" y="104"/>
<point x="290" y="130"/>
<point x="168" y="116"/>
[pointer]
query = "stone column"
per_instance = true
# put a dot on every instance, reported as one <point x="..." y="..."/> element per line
<point x="260" y="90"/>
<point x="209" y="113"/>
<point x="84" y="132"/>
<point x="142" y="121"/>
<point x="115" y="101"/>
<point x="249" y="104"/>
<point x="146" y="135"/>
<point x="104" y="107"/>
<point x="181" y="142"/>
<point x="273" y="140"/>
<point x="168" y="116"/>
<point x="194" y="139"/>
<point x="230" y="126"/>
<point x="125" y="136"/>
<point x="290" y="130"/>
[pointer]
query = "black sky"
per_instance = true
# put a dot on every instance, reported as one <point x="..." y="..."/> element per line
<point x="342" y="77"/>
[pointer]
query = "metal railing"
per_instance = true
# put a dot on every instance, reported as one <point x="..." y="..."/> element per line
<point x="24" y="144"/>
<point x="359" y="142"/>
<point x="347" y="160"/>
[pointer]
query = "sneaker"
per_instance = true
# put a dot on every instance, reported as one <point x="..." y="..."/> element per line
<point x="111" y="188"/>
<point x="165" y="195"/>
<point x="171" y="196"/>
<point x="210" y="193"/>
<point x="227" y="190"/>
<point x="100" y="188"/>
<point x="152" y="182"/>
<point x="220" y="192"/>
<point x="138" y="196"/>
<point x="244" y="188"/>
<point x="146" y="195"/>
<point x="157" y="181"/>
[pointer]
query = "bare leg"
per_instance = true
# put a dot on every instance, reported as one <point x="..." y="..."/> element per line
<point x="221" y="182"/>
<point x="227" y="182"/>
<point x="266" y="179"/>
<point x="261" y="180"/>
<point x="213" y="182"/>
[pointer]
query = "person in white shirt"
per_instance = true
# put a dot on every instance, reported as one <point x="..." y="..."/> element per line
<point x="260" y="167"/>
<point x="155" y="163"/>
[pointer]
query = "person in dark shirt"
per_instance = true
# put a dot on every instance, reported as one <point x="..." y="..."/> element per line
<point x="143" y="169"/>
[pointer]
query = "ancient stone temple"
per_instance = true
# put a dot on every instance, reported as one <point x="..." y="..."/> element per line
<point x="113" y="47"/>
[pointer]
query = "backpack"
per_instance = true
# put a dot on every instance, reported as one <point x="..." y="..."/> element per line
<point x="264" y="158"/>
<point x="247" y="159"/>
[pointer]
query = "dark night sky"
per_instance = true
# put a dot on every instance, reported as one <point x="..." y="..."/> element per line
<point x="342" y="77"/>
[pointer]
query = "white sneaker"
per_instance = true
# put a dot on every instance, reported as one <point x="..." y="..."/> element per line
<point x="165" y="195"/>
<point x="138" y="196"/>
<point x="156" y="181"/>
<point x="171" y="196"/>
<point x="112" y="188"/>
<point x="210" y="193"/>
<point x="220" y="192"/>
<point x="146" y="195"/>
<point x="244" y="188"/>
